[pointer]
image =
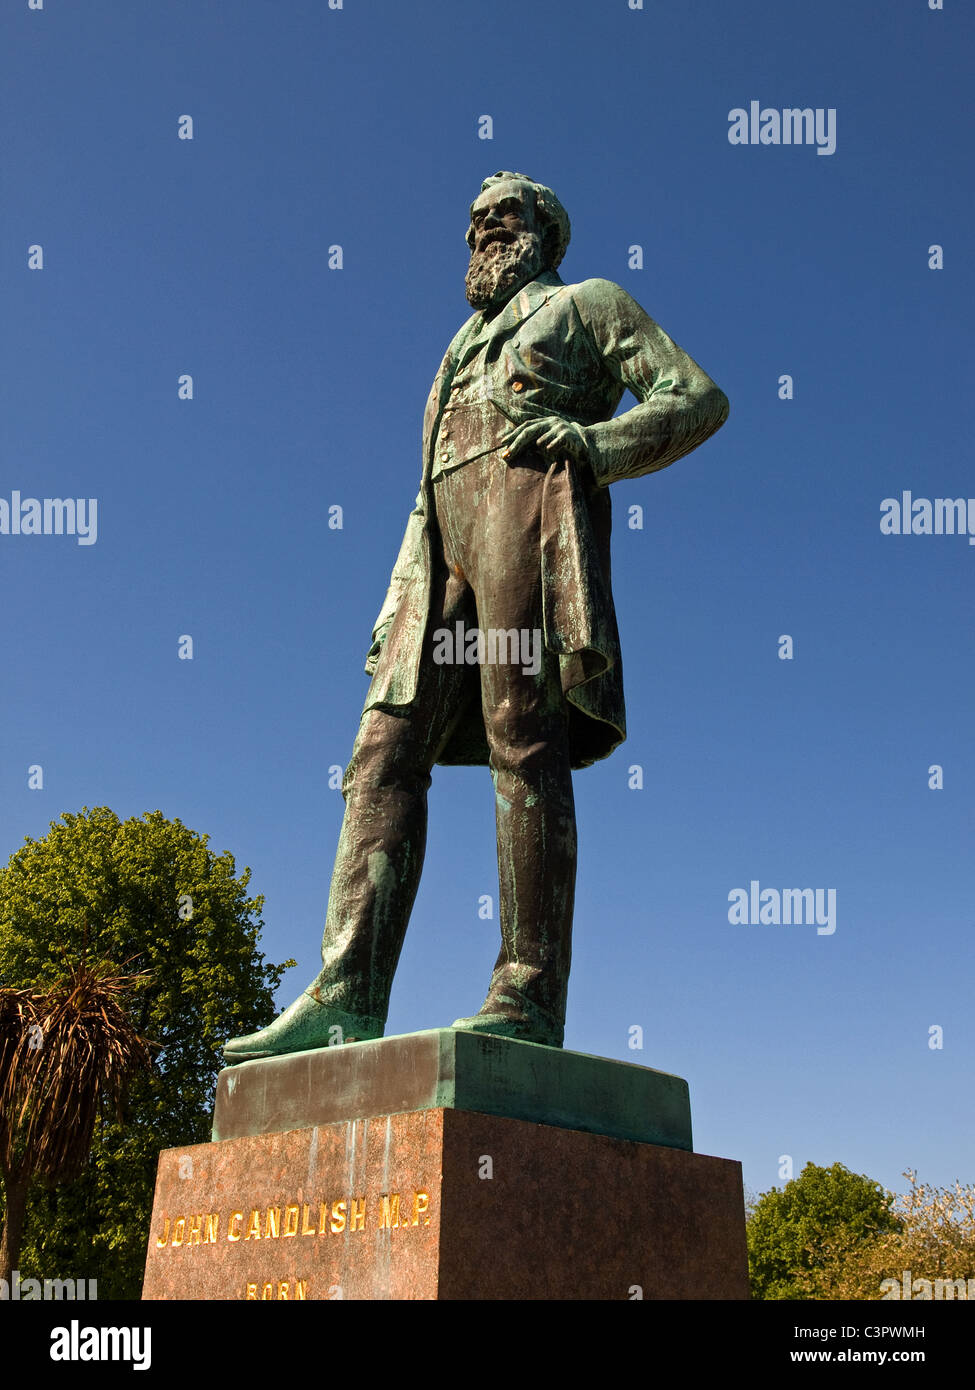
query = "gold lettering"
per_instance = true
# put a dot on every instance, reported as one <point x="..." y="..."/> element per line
<point x="180" y="1227"/>
<point x="211" y="1227"/>
<point x="421" y="1201"/>
<point x="267" y="1293"/>
<point x="253" y="1226"/>
<point x="338" y="1218"/>
<point x="357" y="1214"/>
<point x="322" y="1218"/>
<point x="389" y="1216"/>
<point x="164" y="1238"/>
<point x="196" y="1225"/>
<point x="251" y="1288"/>
<point x="306" y="1230"/>
<point x="290" y="1221"/>
<point x="233" y="1230"/>
<point x="301" y="1286"/>
<point x="283" y="1289"/>
<point x="273" y="1221"/>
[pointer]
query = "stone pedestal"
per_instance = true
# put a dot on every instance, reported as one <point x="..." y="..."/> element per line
<point x="447" y="1165"/>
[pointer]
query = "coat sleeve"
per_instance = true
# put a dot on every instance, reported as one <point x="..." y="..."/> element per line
<point x="404" y="567"/>
<point x="679" y="406"/>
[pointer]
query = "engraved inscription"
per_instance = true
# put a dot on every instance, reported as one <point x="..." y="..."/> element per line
<point x="390" y="1211"/>
<point x="288" y="1289"/>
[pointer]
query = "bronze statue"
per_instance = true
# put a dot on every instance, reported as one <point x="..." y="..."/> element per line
<point x="510" y="537"/>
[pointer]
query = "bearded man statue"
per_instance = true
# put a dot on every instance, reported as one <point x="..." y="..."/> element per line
<point x="509" y="537"/>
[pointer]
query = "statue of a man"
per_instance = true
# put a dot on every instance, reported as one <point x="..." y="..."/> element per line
<point x="497" y="643"/>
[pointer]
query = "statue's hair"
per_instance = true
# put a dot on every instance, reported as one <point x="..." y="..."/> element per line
<point x="552" y="216"/>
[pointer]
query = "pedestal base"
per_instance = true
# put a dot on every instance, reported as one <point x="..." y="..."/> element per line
<point x="443" y="1202"/>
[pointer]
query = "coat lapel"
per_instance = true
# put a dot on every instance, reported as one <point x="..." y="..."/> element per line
<point x="472" y="338"/>
<point x="519" y="307"/>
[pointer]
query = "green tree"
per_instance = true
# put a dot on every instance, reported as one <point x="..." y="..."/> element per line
<point x="794" y="1233"/>
<point x="150" y="895"/>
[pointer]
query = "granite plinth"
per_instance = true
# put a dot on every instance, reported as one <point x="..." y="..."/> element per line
<point x="452" y="1069"/>
<point x="443" y="1204"/>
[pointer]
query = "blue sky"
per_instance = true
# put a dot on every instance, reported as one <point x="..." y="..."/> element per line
<point x="358" y="127"/>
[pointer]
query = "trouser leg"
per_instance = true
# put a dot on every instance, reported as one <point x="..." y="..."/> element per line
<point x="383" y="837"/>
<point x="493" y="517"/>
<point x="536" y="835"/>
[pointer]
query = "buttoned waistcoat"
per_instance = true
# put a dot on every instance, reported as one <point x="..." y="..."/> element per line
<point x="553" y="350"/>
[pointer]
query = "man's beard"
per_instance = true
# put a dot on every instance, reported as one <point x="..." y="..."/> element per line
<point x="502" y="267"/>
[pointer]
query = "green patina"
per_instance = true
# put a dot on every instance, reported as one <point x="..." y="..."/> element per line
<point x="455" y="1070"/>
<point x="510" y="532"/>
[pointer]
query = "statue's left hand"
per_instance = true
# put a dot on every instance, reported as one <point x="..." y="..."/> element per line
<point x="551" y="434"/>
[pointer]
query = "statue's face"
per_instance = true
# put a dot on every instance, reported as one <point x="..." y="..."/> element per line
<point x="506" y="245"/>
<point x="502" y="213"/>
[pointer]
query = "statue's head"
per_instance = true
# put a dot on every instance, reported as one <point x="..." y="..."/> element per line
<point x="518" y="229"/>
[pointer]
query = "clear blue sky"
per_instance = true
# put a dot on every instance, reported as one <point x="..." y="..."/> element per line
<point x="359" y="127"/>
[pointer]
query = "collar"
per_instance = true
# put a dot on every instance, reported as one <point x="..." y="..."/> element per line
<point x="522" y="304"/>
<point x="526" y="299"/>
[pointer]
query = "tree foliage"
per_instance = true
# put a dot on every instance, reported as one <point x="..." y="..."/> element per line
<point x="934" y="1243"/>
<point x="795" y="1234"/>
<point x="150" y="895"/>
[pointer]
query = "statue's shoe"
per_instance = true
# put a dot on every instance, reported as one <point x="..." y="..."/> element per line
<point x="304" y="1025"/>
<point x="505" y="1026"/>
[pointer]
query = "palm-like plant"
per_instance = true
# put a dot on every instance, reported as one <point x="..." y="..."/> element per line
<point x="65" y="1053"/>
